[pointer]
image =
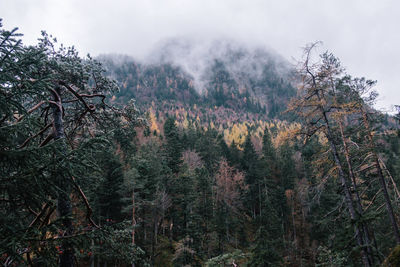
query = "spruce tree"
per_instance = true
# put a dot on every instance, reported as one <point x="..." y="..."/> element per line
<point x="173" y="145"/>
<point x="254" y="173"/>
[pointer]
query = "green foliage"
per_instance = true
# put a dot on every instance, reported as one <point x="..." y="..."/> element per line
<point x="328" y="258"/>
<point x="115" y="246"/>
<point x="54" y="118"/>
<point x="264" y="254"/>
<point x="237" y="256"/>
<point x="287" y="167"/>
<point x="206" y="140"/>
<point x="108" y="197"/>
<point x="173" y="145"/>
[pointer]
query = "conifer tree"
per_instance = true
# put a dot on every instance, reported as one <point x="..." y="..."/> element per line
<point x="234" y="155"/>
<point x="204" y="209"/>
<point x="253" y="176"/>
<point x="269" y="232"/>
<point x="209" y="139"/>
<point x="268" y="150"/>
<point x="316" y="107"/>
<point x="354" y="94"/>
<point x="109" y="198"/>
<point x="173" y="146"/>
<point x="53" y="112"/>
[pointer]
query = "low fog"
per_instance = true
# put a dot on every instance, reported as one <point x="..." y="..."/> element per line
<point x="363" y="34"/>
<point x="196" y="58"/>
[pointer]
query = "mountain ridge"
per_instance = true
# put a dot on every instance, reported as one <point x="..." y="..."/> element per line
<point x="222" y="74"/>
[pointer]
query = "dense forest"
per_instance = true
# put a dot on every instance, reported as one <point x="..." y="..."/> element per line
<point x="112" y="162"/>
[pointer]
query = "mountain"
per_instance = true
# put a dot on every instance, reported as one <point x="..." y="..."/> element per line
<point x="222" y="75"/>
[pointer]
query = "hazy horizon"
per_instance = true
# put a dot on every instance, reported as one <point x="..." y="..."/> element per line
<point x="363" y="34"/>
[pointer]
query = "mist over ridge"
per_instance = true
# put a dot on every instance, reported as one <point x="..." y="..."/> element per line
<point x="197" y="58"/>
<point x="218" y="73"/>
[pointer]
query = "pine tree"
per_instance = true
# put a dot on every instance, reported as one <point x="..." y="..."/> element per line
<point x="53" y="112"/>
<point x="203" y="208"/>
<point x="173" y="146"/>
<point x="234" y="155"/>
<point x="286" y="167"/>
<point x="253" y="177"/>
<point x="109" y="198"/>
<point x="207" y="140"/>
<point x="268" y="241"/>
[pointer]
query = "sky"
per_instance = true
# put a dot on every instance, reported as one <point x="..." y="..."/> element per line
<point x="364" y="34"/>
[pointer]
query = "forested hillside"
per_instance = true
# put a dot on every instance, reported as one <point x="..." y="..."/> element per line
<point x="225" y="75"/>
<point x="247" y="162"/>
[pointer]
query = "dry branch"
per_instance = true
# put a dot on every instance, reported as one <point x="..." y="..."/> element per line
<point x="47" y="139"/>
<point x="38" y="217"/>
<point x="89" y="210"/>
<point x="34" y="136"/>
<point x="32" y="109"/>
<point x="77" y="95"/>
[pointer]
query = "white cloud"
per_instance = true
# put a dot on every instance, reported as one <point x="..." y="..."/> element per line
<point x="363" y="34"/>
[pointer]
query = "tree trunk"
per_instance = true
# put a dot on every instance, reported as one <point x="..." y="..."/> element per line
<point x="316" y="85"/>
<point x="382" y="182"/>
<point x="92" y="260"/>
<point x="360" y="209"/>
<point x="64" y="208"/>
<point x="348" y="197"/>
<point x="133" y="221"/>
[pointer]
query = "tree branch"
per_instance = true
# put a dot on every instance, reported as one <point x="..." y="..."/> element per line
<point x="32" y="109"/>
<point x="77" y="95"/>
<point x="34" y="136"/>
<point x="38" y="216"/>
<point x="47" y="218"/>
<point x="390" y="176"/>
<point x="47" y="139"/>
<point x="89" y="210"/>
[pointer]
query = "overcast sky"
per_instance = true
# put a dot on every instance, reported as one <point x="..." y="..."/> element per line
<point x="364" y="34"/>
